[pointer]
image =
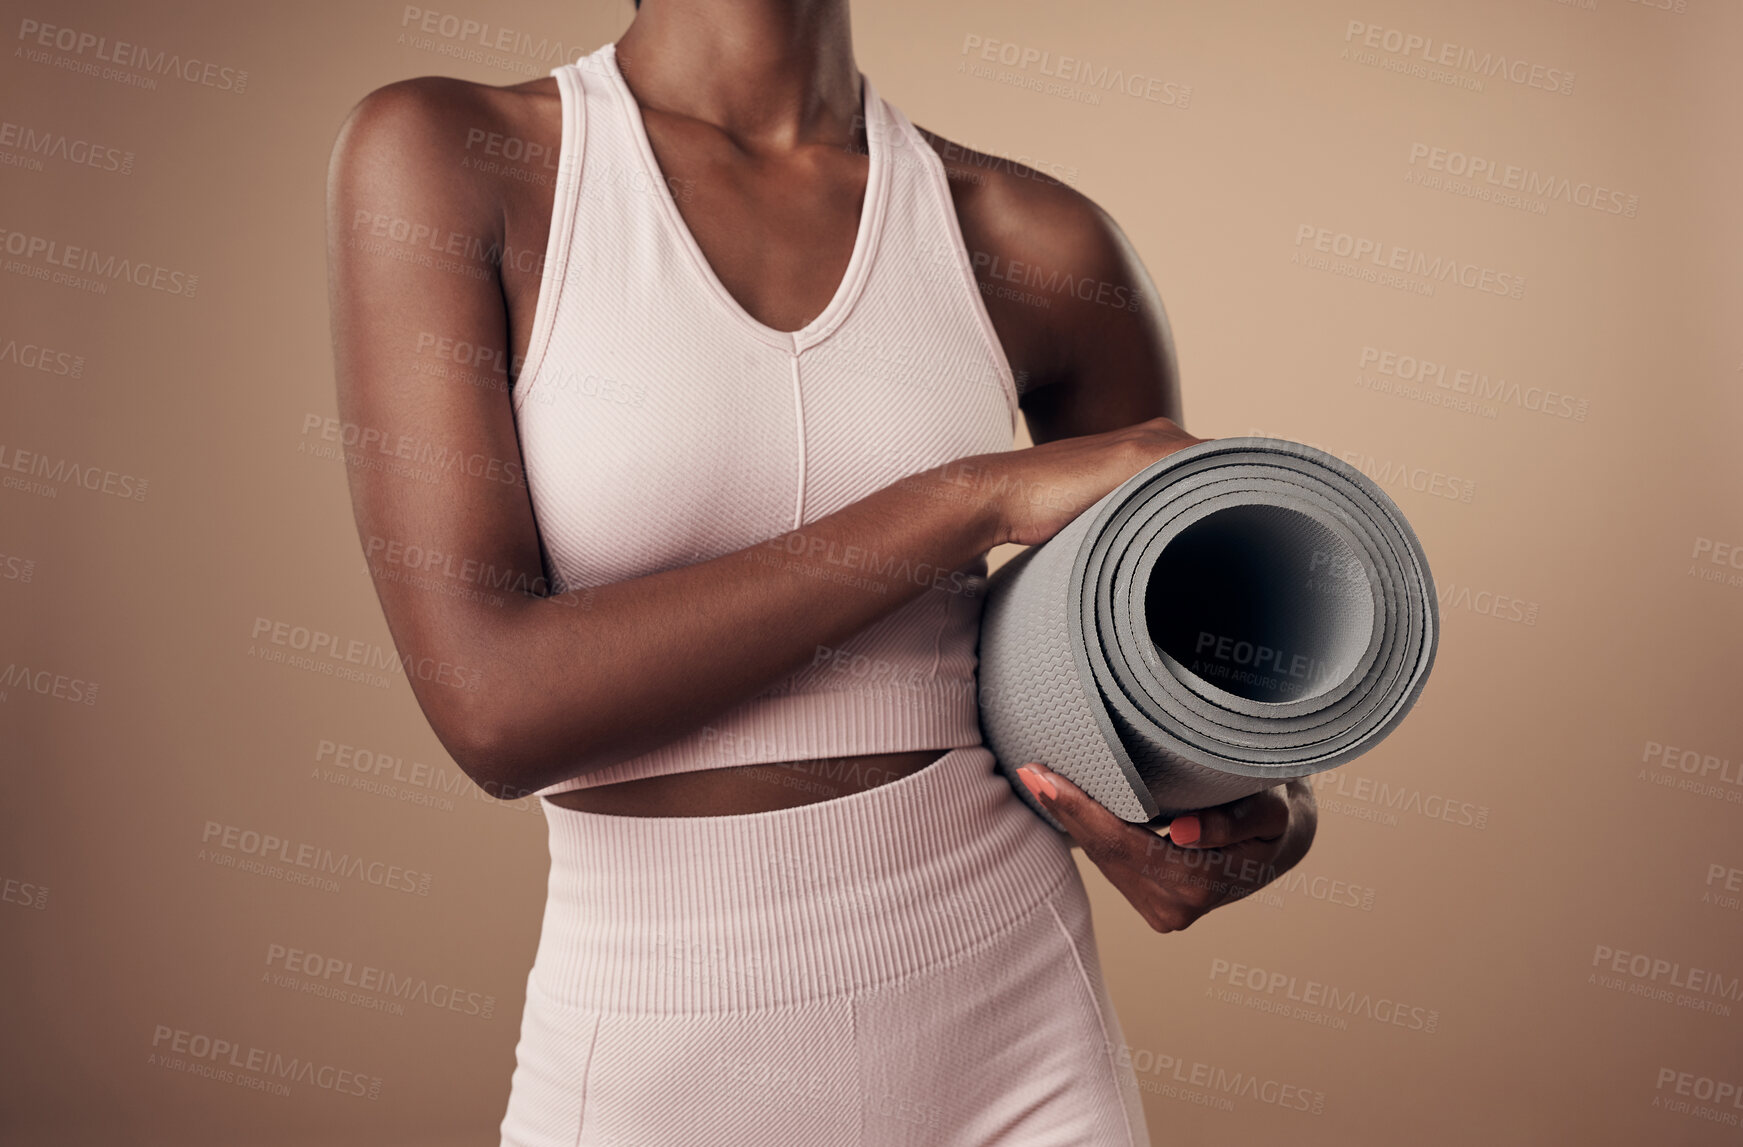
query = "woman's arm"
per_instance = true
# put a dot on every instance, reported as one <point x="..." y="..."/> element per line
<point x="1110" y="358"/>
<point x="1088" y="334"/>
<point x="549" y="689"/>
<point x="1077" y="313"/>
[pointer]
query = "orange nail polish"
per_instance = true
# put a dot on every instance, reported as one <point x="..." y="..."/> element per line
<point x="1038" y="784"/>
<point x="1183" y="829"/>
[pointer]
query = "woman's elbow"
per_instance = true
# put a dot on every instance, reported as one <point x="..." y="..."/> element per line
<point x="505" y="752"/>
<point x="487" y="744"/>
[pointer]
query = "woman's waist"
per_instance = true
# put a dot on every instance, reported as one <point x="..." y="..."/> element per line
<point x="742" y="789"/>
<point x="689" y="913"/>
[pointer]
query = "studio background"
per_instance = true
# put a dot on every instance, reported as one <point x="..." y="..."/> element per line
<point x="1522" y="919"/>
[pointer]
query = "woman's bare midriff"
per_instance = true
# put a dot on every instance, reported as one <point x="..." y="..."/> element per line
<point x="747" y="788"/>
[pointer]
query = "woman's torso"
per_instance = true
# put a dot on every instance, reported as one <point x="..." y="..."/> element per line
<point x="780" y="249"/>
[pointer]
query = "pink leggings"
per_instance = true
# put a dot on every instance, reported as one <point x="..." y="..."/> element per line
<point x="911" y="964"/>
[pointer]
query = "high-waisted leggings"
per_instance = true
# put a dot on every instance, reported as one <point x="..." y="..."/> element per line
<point x="913" y="964"/>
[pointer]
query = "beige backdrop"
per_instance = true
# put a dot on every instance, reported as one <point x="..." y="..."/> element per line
<point x="1521" y="921"/>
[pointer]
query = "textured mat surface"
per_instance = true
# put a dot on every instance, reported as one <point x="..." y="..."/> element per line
<point x="1242" y="612"/>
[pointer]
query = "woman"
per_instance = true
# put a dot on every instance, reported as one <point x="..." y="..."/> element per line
<point x="707" y="333"/>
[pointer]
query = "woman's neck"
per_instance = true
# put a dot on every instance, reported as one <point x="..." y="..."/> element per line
<point x="769" y="73"/>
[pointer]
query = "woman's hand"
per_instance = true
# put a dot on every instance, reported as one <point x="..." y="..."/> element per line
<point x="1209" y="858"/>
<point x="1041" y="488"/>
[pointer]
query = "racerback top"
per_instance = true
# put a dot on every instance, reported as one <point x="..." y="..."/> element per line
<point x="661" y="425"/>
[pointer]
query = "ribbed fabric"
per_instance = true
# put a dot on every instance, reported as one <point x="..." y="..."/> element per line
<point x="661" y="425"/>
<point x="797" y="904"/>
<point x="913" y="964"/>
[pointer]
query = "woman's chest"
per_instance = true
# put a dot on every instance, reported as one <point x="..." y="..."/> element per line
<point x="646" y="451"/>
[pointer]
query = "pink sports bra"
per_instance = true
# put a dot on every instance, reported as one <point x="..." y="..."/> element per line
<point x="661" y="425"/>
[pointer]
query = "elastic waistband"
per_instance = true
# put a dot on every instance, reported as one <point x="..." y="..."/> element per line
<point x="728" y="913"/>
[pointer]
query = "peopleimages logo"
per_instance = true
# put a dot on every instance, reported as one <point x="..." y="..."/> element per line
<point x="1392" y="257"/>
<point x="463" y="32"/>
<point x="1525" y="180"/>
<point x="60" y="686"/>
<point x="1428" y="50"/>
<point x="94" y="266"/>
<point x="1719" y="553"/>
<point x="1475" y="383"/>
<point x="1707" y="1089"/>
<point x="1318" y="996"/>
<point x="232" y="1061"/>
<point x="334" y="977"/>
<point x="1385" y="472"/>
<point x="1693" y="761"/>
<point x="224" y="843"/>
<point x="1664" y="980"/>
<point x="78" y="45"/>
<point x="35" y="356"/>
<point x="1386" y="800"/>
<point x="55" y="470"/>
<point x="1502" y="606"/>
<point x="1091" y="77"/>
<point x="43" y="143"/>
<point x="1214" y="1078"/>
<point x="1258" y="664"/>
<point x="1691" y="771"/>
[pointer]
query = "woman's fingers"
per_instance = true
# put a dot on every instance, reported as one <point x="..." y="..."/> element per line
<point x="1135" y="859"/>
<point x="1161" y="876"/>
<point x="1103" y="835"/>
<point x="1262" y="816"/>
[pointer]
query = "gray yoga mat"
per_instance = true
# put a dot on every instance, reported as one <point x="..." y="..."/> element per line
<point x="1241" y="612"/>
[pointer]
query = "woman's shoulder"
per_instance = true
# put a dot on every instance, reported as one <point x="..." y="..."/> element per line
<point x="1049" y="261"/>
<point x="431" y="112"/>
<point x="439" y="127"/>
<point x="964" y="165"/>
<point x="1023" y="213"/>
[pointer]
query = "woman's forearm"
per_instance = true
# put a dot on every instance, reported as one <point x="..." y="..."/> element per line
<point x="573" y="684"/>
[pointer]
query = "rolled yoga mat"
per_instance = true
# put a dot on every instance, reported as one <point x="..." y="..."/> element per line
<point x="1241" y="612"/>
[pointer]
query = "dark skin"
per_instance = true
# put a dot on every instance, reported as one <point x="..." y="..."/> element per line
<point x="752" y="110"/>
